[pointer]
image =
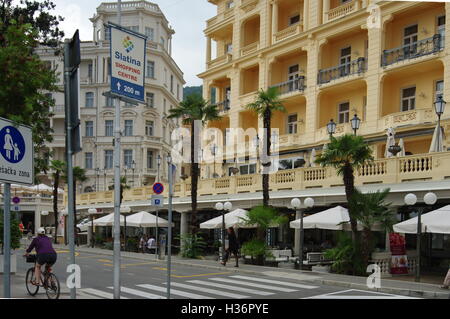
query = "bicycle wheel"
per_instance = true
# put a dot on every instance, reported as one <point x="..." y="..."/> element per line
<point x="32" y="289"/>
<point x="52" y="288"/>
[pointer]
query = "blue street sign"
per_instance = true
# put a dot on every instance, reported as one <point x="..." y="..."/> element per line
<point x="158" y="188"/>
<point x="127" y="63"/>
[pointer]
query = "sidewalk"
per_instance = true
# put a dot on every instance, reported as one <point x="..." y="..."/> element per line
<point x="392" y="286"/>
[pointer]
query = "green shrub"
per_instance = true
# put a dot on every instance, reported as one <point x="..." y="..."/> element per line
<point x="16" y="234"/>
<point x="255" y="248"/>
<point x="109" y="246"/>
<point x="345" y="257"/>
<point x="191" y="245"/>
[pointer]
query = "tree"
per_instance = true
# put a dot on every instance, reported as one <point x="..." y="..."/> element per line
<point x="194" y="109"/>
<point x="16" y="234"/>
<point x="266" y="103"/>
<point x="263" y="217"/>
<point x="347" y="153"/>
<point x="371" y="210"/>
<point x="123" y="186"/>
<point x="58" y="168"/>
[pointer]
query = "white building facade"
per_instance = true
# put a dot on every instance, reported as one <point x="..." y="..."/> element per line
<point x="145" y="128"/>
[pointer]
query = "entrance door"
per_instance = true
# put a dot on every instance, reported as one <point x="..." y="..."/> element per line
<point x="345" y="60"/>
<point x="227" y="98"/>
<point x="293" y="78"/>
<point x="441" y="31"/>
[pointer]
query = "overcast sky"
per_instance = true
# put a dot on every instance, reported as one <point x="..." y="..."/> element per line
<point x="187" y="18"/>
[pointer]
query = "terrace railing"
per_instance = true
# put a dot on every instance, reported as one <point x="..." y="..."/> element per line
<point x="357" y="66"/>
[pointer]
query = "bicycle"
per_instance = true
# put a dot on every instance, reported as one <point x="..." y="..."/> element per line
<point x="49" y="280"/>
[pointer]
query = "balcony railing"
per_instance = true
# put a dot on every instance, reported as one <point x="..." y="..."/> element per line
<point x="288" y="32"/>
<point x="57" y="109"/>
<point x="220" y="17"/>
<point x="251" y="48"/>
<point x="357" y="66"/>
<point x="411" y="51"/>
<point x="343" y="10"/>
<point x="223" y="106"/>
<point x="220" y="60"/>
<point x="295" y="85"/>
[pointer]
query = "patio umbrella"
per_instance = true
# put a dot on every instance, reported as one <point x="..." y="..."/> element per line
<point x="402" y="152"/>
<point x="390" y="142"/>
<point x="436" y="221"/>
<point x="232" y="219"/>
<point x="437" y="142"/>
<point x="144" y="219"/>
<point x="312" y="159"/>
<point x="108" y="220"/>
<point x="336" y="218"/>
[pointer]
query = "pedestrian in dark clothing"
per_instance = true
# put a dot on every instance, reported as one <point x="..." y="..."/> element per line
<point x="233" y="247"/>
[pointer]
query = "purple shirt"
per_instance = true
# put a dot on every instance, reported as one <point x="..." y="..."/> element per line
<point x="42" y="244"/>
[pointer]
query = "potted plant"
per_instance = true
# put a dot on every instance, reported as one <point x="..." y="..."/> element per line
<point x="16" y="235"/>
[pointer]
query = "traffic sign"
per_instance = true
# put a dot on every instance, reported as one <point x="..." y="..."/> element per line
<point x="16" y="153"/>
<point x="16" y="200"/>
<point x="16" y="208"/>
<point x="157" y="200"/>
<point x="127" y="62"/>
<point x="158" y="188"/>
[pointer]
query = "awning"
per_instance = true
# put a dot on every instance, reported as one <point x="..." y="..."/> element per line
<point x="436" y="221"/>
<point x="232" y="219"/>
<point x="108" y="220"/>
<point x="144" y="219"/>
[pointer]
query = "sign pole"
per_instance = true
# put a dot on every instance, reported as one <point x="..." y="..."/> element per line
<point x="7" y="242"/>
<point x="169" y="229"/>
<point x="69" y="152"/>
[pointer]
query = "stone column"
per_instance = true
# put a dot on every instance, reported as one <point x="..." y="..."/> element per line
<point x="326" y="8"/>
<point x="208" y="50"/>
<point x="274" y="19"/>
<point x="305" y="14"/>
<point x="37" y="213"/>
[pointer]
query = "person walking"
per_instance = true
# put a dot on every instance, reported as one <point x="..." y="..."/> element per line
<point x="233" y="247"/>
<point x="21" y="227"/>
<point x="151" y="245"/>
<point x="143" y="243"/>
<point x="446" y="284"/>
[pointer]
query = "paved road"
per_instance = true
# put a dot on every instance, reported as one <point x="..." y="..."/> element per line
<point x="147" y="280"/>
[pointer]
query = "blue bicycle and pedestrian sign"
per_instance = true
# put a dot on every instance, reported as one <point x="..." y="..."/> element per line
<point x="16" y="153"/>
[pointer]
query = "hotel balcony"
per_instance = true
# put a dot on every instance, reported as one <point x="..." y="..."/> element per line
<point x="288" y="32"/>
<point x="355" y="67"/>
<point x="58" y="111"/>
<point x="250" y="35"/>
<point x="291" y="87"/>
<point x="223" y="59"/>
<point x="248" y="5"/>
<point x="223" y="106"/>
<point x="249" y="49"/>
<point x="340" y="10"/>
<point x="287" y="19"/>
<point x="415" y="50"/>
<point x="414" y="117"/>
<point x="222" y="18"/>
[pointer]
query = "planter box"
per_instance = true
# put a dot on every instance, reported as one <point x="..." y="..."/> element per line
<point x="13" y="267"/>
<point x="326" y="269"/>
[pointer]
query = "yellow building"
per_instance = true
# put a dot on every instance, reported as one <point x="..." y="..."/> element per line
<point x="385" y="61"/>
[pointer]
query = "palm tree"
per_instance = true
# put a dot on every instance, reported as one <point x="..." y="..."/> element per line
<point x="123" y="186"/>
<point x="371" y="209"/>
<point x="58" y="167"/>
<point x="192" y="110"/>
<point x="347" y="153"/>
<point x="266" y="103"/>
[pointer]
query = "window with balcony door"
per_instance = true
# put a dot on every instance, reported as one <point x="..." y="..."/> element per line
<point x="90" y="71"/>
<point x="230" y="4"/>
<point x="344" y="112"/>
<point x="439" y="89"/>
<point x="149" y="159"/>
<point x="293" y="77"/>
<point x="345" y="60"/>
<point x="150" y="69"/>
<point x="89" y="128"/>
<point x="441" y="31"/>
<point x="128" y="128"/>
<point x="227" y="98"/>
<point x="410" y="35"/>
<point x="150" y="33"/>
<point x="149" y="126"/>
<point x="291" y="163"/>
<point x="229" y="48"/>
<point x="292" y="124"/>
<point x="294" y="19"/>
<point x="150" y="99"/>
<point x="247" y="169"/>
<point x="109" y="102"/>
<point x="408" y="99"/>
<point x="109" y="128"/>
<point x="88" y="160"/>
<point x="108" y="159"/>
<point x="127" y="158"/>
<point x="171" y="83"/>
<point x="89" y="100"/>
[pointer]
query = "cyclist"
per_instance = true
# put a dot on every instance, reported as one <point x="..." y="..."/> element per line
<point x="45" y="254"/>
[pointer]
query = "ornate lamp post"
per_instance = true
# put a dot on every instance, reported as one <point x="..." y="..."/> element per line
<point x="394" y="149"/>
<point x="439" y="106"/>
<point x="133" y="167"/>
<point x="356" y="122"/>
<point x="410" y="200"/>
<point x="331" y="128"/>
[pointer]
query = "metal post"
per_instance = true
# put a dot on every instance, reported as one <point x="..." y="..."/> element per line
<point x="301" y="240"/>
<point x="69" y="154"/>
<point x="7" y="242"/>
<point x="157" y="238"/>
<point x="223" y="235"/>
<point x="439" y="131"/>
<point x="116" y="258"/>
<point x="419" y="235"/>
<point x="169" y="232"/>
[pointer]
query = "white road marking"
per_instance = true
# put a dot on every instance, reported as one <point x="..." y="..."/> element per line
<point x="139" y="293"/>
<point x="99" y="293"/>
<point x="282" y="283"/>
<point x="238" y="282"/>
<point x="174" y="292"/>
<point x="369" y="295"/>
<point x="247" y="290"/>
<point x="210" y="291"/>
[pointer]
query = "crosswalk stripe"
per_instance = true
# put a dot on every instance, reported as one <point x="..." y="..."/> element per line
<point x="99" y="293"/>
<point x="210" y="291"/>
<point x="238" y="282"/>
<point x="139" y="293"/>
<point x="175" y="292"/>
<point x="241" y="289"/>
<point x="289" y="284"/>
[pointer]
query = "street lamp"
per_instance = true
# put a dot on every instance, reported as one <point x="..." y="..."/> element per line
<point x="331" y="128"/>
<point x="439" y="106"/>
<point x="410" y="200"/>
<point x="394" y="149"/>
<point x="296" y="203"/>
<point x="214" y="151"/>
<point x="219" y="207"/>
<point x="158" y="162"/>
<point x="133" y="167"/>
<point x="92" y="211"/>
<point x="356" y="122"/>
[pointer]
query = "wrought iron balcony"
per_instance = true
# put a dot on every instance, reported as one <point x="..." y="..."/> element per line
<point x="357" y="66"/>
<point x="414" y="50"/>
<point x="295" y="85"/>
<point x="223" y="106"/>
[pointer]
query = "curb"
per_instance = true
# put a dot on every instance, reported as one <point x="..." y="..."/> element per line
<point x="330" y="282"/>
